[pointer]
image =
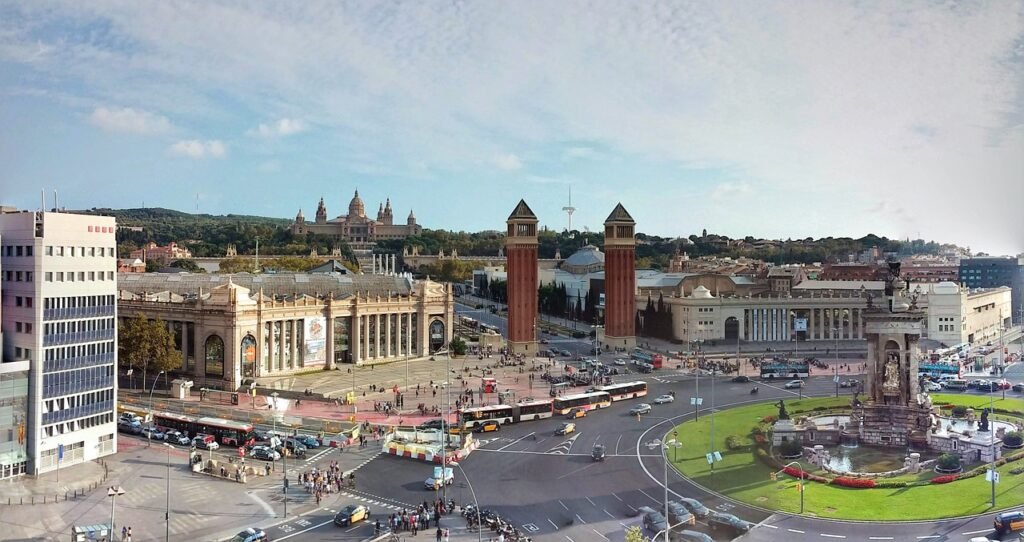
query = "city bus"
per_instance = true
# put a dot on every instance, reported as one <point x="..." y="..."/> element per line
<point x="625" y="390"/>
<point x="657" y="360"/>
<point x="227" y="432"/>
<point x="474" y="416"/>
<point x="468" y="322"/>
<point x="785" y="369"/>
<point x="532" y="410"/>
<point x="936" y="370"/>
<point x="586" y="401"/>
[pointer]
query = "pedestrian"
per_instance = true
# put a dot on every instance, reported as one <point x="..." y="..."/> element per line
<point x="440" y="533"/>
<point x="124" y="532"/>
<point x="129" y="539"/>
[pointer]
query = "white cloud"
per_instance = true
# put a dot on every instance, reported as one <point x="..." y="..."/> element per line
<point x="508" y="162"/>
<point x="194" y="148"/>
<point x="281" y="128"/>
<point x="728" y="190"/>
<point x="129" y="120"/>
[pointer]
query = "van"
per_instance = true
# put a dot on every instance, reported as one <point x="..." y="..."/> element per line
<point x="1009" y="522"/>
<point x="956" y="384"/>
<point x="947" y="378"/>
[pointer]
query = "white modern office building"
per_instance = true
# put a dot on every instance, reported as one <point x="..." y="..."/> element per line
<point x="58" y="286"/>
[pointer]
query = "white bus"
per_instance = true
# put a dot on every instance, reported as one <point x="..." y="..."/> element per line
<point x="474" y="416"/>
<point x="625" y="390"/>
<point x="586" y="401"/>
<point x="532" y="410"/>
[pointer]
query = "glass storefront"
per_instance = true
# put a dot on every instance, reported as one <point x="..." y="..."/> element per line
<point x="342" y="327"/>
<point x="13" y="423"/>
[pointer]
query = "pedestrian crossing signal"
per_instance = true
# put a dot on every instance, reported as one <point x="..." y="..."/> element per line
<point x="799" y="487"/>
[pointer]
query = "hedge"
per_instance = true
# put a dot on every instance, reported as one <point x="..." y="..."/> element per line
<point x="856" y="483"/>
<point x="891" y="484"/>
<point x="734" y="442"/>
<point x="945" y="479"/>
<point x="1018" y="470"/>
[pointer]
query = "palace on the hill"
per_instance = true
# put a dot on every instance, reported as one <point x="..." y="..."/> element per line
<point x="355" y="228"/>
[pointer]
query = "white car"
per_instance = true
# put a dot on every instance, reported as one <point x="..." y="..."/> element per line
<point x="932" y="386"/>
<point x="662" y="399"/>
<point x="176" y="437"/>
<point x="152" y="433"/>
<point x="620" y="362"/>
<point x="793" y="384"/>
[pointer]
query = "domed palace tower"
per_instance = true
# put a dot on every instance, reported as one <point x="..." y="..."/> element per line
<point x="521" y="262"/>
<point x="619" y="279"/>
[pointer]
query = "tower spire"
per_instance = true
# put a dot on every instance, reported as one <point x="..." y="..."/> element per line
<point x="569" y="209"/>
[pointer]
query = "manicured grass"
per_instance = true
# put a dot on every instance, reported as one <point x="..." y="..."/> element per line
<point x="742" y="476"/>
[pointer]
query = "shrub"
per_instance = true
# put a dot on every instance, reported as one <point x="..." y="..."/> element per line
<point x="796" y="473"/>
<point x="973" y="472"/>
<point x="945" y="479"/>
<point x="769" y="419"/>
<point x="734" y="442"/>
<point x="856" y="483"/>
<point x="948" y="462"/>
<point x="959" y="411"/>
<point x="757" y="430"/>
<point x="820" y="409"/>
<point x="1018" y="470"/>
<point x="1013" y="439"/>
<point x="891" y="484"/>
<point x="790" y="448"/>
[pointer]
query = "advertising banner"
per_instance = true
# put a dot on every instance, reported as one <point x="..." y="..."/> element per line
<point x="799" y="324"/>
<point x="315" y="338"/>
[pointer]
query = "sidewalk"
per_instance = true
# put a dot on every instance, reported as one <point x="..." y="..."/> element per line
<point x="71" y="482"/>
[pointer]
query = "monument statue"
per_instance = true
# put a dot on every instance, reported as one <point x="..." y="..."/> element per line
<point x="892" y="372"/>
<point x="856" y="403"/>
<point x="983" y="422"/>
<point x="783" y="415"/>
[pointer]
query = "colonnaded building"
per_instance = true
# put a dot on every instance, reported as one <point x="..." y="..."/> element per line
<point x="235" y="327"/>
<point x="355" y="228"/>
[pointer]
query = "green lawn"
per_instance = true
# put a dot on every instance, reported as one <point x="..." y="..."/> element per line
<point x="743" y="477"/>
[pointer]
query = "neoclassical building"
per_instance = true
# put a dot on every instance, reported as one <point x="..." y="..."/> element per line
<point x="356" y="228"/>
<point x="231" y="328"/>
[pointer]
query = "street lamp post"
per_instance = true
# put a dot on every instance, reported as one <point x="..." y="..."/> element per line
<point x="113" y="492"/>
<point x="149" y="434"/>
<point x="479" y="524"/>
<point x="674" y="444"/>
<point x="167" y="510"/>
<point x="800" y="484"/>
<point x="835" y="364"/>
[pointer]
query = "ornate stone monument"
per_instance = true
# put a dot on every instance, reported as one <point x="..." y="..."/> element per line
<point x="894" y="413"/>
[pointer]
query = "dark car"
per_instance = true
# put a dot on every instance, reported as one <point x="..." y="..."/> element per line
<point x="692" y="536"/>
<point x="694" y="506"/>
<point x="264" y="453"/>
<point x="679" y="514"/>
<point x="728" y="523"/>
<point x="436" y="423"/>
<point x="308" y="441"/>
<point x="251" y="535"/>
<point x="653" y="520"/>
<point x="642" y="408"/>
<point x="1018" y="386"/>
<point x="351" y="514"/>
<point x="262" y="436"/>
<point x="598" y="453"/>
<point x="295" y="448"/>
<point x="741" y="379"/>
<point x="1009" y="522"/>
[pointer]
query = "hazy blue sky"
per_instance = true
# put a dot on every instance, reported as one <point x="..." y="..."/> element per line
<point x="774" y="119"/>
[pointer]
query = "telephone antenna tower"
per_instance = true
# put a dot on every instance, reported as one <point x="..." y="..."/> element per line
<point x="569" y="209"/>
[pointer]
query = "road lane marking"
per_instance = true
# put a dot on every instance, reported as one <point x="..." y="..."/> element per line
<point x="515" y="441"/>
<point x="581" y="519"/>
<point x="928" y="536"/>
<point x="569" y="539"/>
<point x="648" y="496"/>
<point x="617" y="497"/>
<point x="591" y="464"/>
<point x="599" y="534"/>
<point x="563" y="505"/>
<point x="553" y="524"/>
<point x="590" y="501"/>
<point x="617" y="444"/>
<point x="770" y="526"/>
<point x="888" y="537"/>
<point x="609" y="515"/>
<point x="832" y="535"/>
<point x="795" y="531"/>
<point x="977" y="532"/>
<point x="297" y="533"/>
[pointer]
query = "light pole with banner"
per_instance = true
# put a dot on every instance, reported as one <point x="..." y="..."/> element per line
<point x="149" y="433"/>
<point x="113" y="492"/>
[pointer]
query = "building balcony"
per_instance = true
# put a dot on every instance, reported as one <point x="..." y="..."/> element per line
<point x="58" y="339"/>
<point x="78" y="312"/>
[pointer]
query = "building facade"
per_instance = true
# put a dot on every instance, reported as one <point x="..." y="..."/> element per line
<point x="620" y="279"/>
<point x="993" y="273"/>
<point x="355" y="228"/>
<point x="957" y="314"/>
<point x="161" y="255"/>
<point x="231" y="329"/>
<point x="521" y="252"/>
<point x="59" y="333"/>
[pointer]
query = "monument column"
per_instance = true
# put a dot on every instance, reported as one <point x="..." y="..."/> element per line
<point x="521" y="251"/>
<point x="354" y="338"/>
<point x="387" y="335"/>
<point x="620" y="278"/>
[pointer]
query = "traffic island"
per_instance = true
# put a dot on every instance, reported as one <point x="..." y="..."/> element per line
<point x="745" y="473"/>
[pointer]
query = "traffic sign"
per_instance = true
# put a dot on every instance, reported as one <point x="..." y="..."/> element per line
<point x="989" y="475"/>
<point x="60" y="452"/>
<point x="835" y="379"/>
<point x="695" y="401"/>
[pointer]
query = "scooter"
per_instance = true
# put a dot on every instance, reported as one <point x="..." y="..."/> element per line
<point x="753" y="391"/>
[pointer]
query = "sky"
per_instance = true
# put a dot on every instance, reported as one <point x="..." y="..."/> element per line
<point x="771" y="119"/>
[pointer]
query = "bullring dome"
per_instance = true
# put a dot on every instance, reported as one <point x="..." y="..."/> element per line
<point x="588" y="259"/>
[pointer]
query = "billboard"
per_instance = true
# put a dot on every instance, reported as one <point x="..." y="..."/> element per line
<point x="799" y="324"/>
<point x="315" y="340"/>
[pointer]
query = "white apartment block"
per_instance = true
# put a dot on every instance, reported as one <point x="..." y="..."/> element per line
<point x="59" y="290"/>
<point x="957" y="314"/>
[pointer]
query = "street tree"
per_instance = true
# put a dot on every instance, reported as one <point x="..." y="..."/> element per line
<point x="635" y="534"/>
<point x="145" y="345"/>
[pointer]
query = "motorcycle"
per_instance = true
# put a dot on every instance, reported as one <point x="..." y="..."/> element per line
<point x="753" y="391"/>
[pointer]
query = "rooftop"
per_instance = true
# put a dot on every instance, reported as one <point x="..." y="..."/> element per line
<point x="273" y="285"/>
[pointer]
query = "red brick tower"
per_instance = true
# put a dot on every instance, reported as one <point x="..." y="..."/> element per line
<point x="619" y="279"/>
<point x="521" y="260"/>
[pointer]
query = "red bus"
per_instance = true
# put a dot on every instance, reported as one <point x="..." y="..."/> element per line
<point x="227" y="432"/>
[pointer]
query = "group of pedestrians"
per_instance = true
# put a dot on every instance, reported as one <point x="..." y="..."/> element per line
<point x="416" y="520"/>
<point x="321" y="483"/>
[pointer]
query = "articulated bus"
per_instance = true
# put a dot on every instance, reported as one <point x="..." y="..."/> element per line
<point x="587" y="401"/>
<point x="474" y="416"/>
<point x="625" y="390"/>
<point x="227" y="432"/>
<point x="532" y="410"/>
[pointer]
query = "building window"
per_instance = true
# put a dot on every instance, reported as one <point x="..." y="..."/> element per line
<point x="248" y="356"/>
<point x="49" y="251"/>
<point x="214" y="356"/>
<point x="49" y="276"/>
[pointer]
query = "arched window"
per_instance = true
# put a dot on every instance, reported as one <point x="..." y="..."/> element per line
<point x="214" y="356"/>
<point x="247" y="352"/>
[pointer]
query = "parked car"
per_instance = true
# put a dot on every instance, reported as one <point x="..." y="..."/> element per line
<point x="849" y="383"/>
<point x="152" y="433"/>
<point x="1018" y="386"/>
<point x="741" y="379"/>
<point x="129" y="418"/>
<point x="642" y="408"/>
<point x="487" y="427"/>
<point x="662" y="399"/>
<point x="932" y="386"/>
<point x="308" y="441"/>
<point x="251" y="535"/>
<point x="565" y="428"/>
<point x="794" y="384"/>
<point x="566" y="353"/>
<point x="544" y="341"/>
<point x="351" y="514"/>
<point x="728" y="523"/>
<point x="678" y="514"/>
<point x="176" y="437"/>
<point x="692" y="536"/>
<point x="694" y="506"/>
<point x="132" y="428"/>
<point x="598" y="453"/>
<point x="653" y="520"/>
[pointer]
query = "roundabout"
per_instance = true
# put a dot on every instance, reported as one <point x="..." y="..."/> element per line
<point x="745" y="472"/>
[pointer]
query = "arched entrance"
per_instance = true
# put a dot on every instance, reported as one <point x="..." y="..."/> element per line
<point x="436" y="335"/>
<point x="214" y="357"/>
<point x="732" y="329"/>
<point x="247" y="353"/>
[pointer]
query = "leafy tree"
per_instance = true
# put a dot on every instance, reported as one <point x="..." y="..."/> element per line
<point x="152" y="266"/>
<point x="237" y="265"/>
<point x="457" y="346"/>
<point x="187" y="265"/>
<point x="147" y="345"/>
<point x="635" y="534"/>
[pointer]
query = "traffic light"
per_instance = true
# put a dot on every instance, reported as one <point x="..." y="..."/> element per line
<point x="774" y="476"/>
<point x="800" y="487"/>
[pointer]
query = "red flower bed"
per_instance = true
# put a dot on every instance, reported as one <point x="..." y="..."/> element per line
<point x="944" y="479"/>
<point x="857" y="483"/>
<point x="796" y="473"/>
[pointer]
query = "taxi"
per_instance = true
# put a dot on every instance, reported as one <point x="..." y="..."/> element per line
<point x="576" y="412"/>
<point x="488" y="426"/>
<point x="566" y="428"/>
<point x="1009" y="522"/>
<point x="351" y="514"/>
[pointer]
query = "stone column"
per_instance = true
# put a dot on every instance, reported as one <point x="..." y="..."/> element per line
<point x="355" y="344"/>
<point x="408" y="335"/>
<point x="387" y="336"/>
<point x="366" y="337"/>
<point x="810" y="325"/>
<point x="378" y="336"/>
